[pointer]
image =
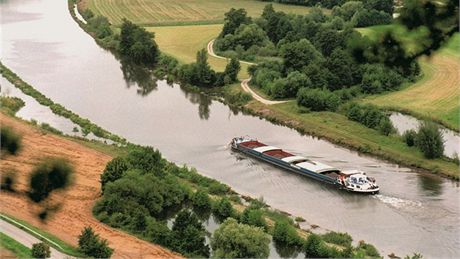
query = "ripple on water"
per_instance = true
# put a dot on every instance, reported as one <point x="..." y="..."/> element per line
<point x="397" y="202"/>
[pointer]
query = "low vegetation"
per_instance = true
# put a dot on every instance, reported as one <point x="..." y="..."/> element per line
<point x="10" y="105"/>
<point x="14" y="246"/>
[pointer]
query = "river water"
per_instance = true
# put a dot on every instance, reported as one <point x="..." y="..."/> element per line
<point x="414" y="212"/>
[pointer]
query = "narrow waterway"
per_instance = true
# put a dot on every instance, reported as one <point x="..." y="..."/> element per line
<point x="451" y="139"/>
<point x="415" y="212"/>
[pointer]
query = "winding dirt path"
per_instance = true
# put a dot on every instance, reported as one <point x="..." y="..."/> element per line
<point x="245" y="82"/>
<point x="76" y="202"/>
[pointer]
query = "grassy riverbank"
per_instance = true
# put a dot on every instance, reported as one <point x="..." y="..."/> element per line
<point x="436" y="95"/>
<point x="339" y="130"/>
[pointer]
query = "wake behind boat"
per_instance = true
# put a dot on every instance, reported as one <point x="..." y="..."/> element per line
<point x="352" y="180"/>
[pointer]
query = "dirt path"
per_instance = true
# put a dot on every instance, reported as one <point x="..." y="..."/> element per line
<point x="244" y="83"/>
<point x="77" y="201"/>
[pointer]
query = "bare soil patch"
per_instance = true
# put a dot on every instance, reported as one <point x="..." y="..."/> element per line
<point x="76" y="201"/>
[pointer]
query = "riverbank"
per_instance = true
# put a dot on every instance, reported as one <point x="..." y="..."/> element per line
<point x="75" y="212"/>
<point x="341" y="131"/>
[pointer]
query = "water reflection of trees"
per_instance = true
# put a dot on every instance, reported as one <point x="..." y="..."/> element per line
<point x="430" y="185"/>
<point x="203" y="101"/>
<point x="140" y="76"/>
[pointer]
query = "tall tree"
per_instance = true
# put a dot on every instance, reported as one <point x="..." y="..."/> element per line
<point x="233" y="19"/>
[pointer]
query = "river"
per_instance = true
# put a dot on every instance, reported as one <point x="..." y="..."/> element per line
<point x="415" y="212"/>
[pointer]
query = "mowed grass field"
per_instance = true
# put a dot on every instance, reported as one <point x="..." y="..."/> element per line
<point x="437" y="94"/>
<point x="179" y="12"/>
<point x="183" y="42"/>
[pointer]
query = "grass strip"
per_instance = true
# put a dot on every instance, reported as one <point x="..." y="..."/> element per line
<point x="42" y="235"/>
<point x="57" y="108"/>
<point x="18" y="249"/>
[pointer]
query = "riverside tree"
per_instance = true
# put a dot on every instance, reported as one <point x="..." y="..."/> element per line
<point x="189" y="235"/>
<point x="236" y="240"/>
<point x="137" y="44"/>
<point x="429" y="140"/>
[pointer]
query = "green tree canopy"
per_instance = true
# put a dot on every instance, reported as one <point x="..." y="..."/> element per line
<point x="236" y="240"/>
<point x="429" y="140"/>
<point x="90" y="244"/>
<point x="41" y="250"/>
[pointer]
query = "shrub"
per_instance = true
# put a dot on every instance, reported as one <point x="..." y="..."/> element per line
<point x="189" y="235"/>
<point x="342" y="239"/>
<point x="368" y="249"/>
<point x="318" y="100"/>
<point x="10" y="141"/>
<point x="286" y="234"/>
<point x="113" y="171"/>
<point x="11" y="105"/>
<point x="217" y="188"/>
<point x="409" y="137"/>
<point x="40" y="250"/>
<point x="386" y="126"/>
<point x="90" y="244"/>
<point x="52" y="174"/>
<point x="223" y="208"/>
<point x="201" y="200"/>
<point x="236" y="240"/>
<point x="429" y="140"/>
<point x="253" y="217"/>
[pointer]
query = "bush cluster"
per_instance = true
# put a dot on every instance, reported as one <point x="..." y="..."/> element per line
<point x="371" y="117"/>
<point x="428" y="138"/>
<point x="318" y="100"/>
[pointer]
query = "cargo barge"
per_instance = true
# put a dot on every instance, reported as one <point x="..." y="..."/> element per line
<point x="352" y="180"/>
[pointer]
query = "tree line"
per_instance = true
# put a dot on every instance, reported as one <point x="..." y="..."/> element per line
<point x="154" y="193"/>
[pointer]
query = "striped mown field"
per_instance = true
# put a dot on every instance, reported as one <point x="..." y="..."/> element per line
<point x="437" y="94"/>
<point x="179" y="12"/>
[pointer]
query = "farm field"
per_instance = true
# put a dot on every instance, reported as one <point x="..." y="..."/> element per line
<point x="75" y="213"/>
<point x="176" y="12"/>
<point x="436" y="95"/>
<point x="183" y="42"/>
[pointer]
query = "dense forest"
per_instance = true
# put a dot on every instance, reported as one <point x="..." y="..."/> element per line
<point x="312" y="51"/>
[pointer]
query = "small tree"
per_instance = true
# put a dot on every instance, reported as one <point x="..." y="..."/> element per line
<point x="409" y="137"/>
<point x="201" y="200"/>
<point x="232" y="69"/>
<point x="429" y="140"/>
<point x="113" y="171"/>
<point x="286" y="234"/>
<point x="189" y="235"/>
<point x="235" y="240"/>
<point x="253" y="217"/>
<point x="41" y="250"/>
<point x="385" y="126"/>
<point x="223" y="208"/>
<point x="90" y="244"/>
